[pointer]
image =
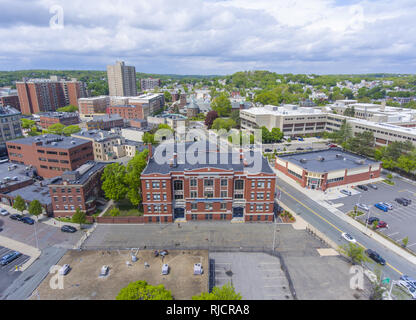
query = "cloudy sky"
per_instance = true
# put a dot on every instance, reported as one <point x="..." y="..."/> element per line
<point x="210" y="36"/>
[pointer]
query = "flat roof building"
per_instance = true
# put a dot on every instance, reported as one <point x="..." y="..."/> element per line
<point x="325" y="169"/>
<point x="122" y="79"/>
<point x="47" y="119"/>
<point x="10" y="125"/>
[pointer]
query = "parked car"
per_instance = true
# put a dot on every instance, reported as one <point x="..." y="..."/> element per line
<point x="372" y="186"/>
<point x="363" y="206"/>
<point x="28" y="220"/>
<point x="382" y="224"/>
<point x="300" y="149"/>
<point x="409" y="280"/>
<point x="375" y="256"/>
<point x="165" y="269"/>
<point x="104" y="271"/>
<point x="388" y="205"/>
<point x="301" y="139"/>
<point x="381" y="207"/>
<point x="348" y="193"/>
<point x="409" y="202"/>
<point x="4" y="212"/>
<point x="349" y="238"/>
<point x="69" y="229"/>
<point x="268" y="150"/>
<point x="372" y="219"/>
<point x="406" y="286"/>
<point x="17" y="217"/>
<point x="362" y="187"/>
<point x="333" y="146"/>
<point x="64" y="270"/>
<point x="164" y="253"/>
<point x="401" y="201"/>
<point x="309" y="148"/>
<point x="6" y="259"/>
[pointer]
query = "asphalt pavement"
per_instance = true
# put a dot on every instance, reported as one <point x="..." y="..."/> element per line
<point x="333" y="227"/>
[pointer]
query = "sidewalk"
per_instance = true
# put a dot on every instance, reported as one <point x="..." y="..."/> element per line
<point x="322" y="200"/>
<point x="30" y="251"/>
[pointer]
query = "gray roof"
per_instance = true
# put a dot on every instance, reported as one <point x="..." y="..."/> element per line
<point x="81" y="175"/>
<point x="17" y="174"/>
<point x="106" y="117"/>
<point x="34" y="192"/>
<point x="210" y="159"/>
<point x="52" y="141"/>
<point x="58" y="115"/>
<point x="8" y="111"/>
<point x="333" y="159"/>
<point x="97" y="135"/>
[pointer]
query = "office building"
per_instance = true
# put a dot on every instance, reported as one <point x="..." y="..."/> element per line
<point x="149" y="84"/>
<point x="93" y="106"/>
<point x="47" y="119"/>
<point x="105" y="122"/>
<point x="10" y="125"/>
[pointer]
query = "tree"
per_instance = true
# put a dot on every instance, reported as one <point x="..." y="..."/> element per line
<point x="276" y="134"/>
<point x="168" y="96"/>
<point x="134" y="170"/>
<point x="57" y="128"/>
<point x="405" y="242"/>
<point x="355" y="252"/>
<point x="70" y="130"/>
<point x="225" y="124"/>
<point x="35" y="208"/>
<point x="113" y="179"/>
<point x="210" y="118"/>
<point x="222" y="105"/>
<point x="27" y="123"/>
<point x="140" y="290"/>
<point x="69" y="108"/>
<point x="235" y="115"/>
<point x="349" y="112"/>
<point x="79" y="217"/>
<point x="226" y="292"/>
<point x="148" y="138"/>
<point x="19" y="204"/>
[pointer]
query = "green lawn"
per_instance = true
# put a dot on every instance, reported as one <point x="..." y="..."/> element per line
<point x="389" y="182"/>
<point x="126" y="209"/>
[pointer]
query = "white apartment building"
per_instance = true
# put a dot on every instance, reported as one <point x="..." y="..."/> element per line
<point x="122" y="79"/>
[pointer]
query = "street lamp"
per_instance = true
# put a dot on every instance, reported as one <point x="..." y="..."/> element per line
<point x="366" y="222"/>
<point x="36" y="236"/>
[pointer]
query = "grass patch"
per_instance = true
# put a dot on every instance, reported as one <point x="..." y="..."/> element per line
<point x="389" y="182"/>
<point x="126" y="209"/>
<point x="64" y="219"/>
<point x="355" y="215"/>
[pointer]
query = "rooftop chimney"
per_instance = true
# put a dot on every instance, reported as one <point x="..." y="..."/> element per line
<point x="383" y="106"/>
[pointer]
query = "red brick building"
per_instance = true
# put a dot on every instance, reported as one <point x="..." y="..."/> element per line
<point x="50" y="154"/>
<point x="127" y="112"/>
<point x="93" y="105"/>
<point x="325" y="169"/>
<point x="10" y="100"/>
<point x="66" y="118"/>
<point x="211" y="191"/>
<point x="139" y="107"/>
<point x="105" y="122"/>
<point x="77" y="189"/>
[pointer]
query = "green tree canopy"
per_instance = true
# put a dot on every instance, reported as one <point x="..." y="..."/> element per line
<point x="222" y="105"/>
<point x="19" y="204"/>
<point x="69" y="108"/>
<point x="79" y="217"/>
<point x="113" y="179"/>
<point x="27" y="123"/>
<point x="57" y="128"/>
<point x="168" y="96"/>
<point x="134" y="170"/>
<point x="141" y="290"/>
<point x="355" y="252"/>
<point x="35" y="208"/>
<point x="225" y="124"/>
<point x="226" y="292"/>
<point x="71" y="129"/>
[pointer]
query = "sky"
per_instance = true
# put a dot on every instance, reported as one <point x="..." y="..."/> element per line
<point x="210" y="36"/>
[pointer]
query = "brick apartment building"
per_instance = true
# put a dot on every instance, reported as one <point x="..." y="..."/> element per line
<point x="94" y="105"/>
<point x="10" y="100"/>
<point x="43" y="95"/>
<point x="211" y="191"/>
<point x="66" y="118"/>
<point x="50" y="154"/>
<point x="139" y="107"/>
<point x="323" y="169"/>
<point x="105" y="122"/>
<point x="77" y="189"/>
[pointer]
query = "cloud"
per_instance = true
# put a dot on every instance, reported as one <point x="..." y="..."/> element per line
<point x="212" y="37"/>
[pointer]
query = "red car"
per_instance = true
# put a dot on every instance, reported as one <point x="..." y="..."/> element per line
<point x="333" y="146"/>
<point x="382" y="224"/>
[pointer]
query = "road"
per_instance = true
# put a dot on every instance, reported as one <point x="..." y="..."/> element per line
<point x="333" y="227"/>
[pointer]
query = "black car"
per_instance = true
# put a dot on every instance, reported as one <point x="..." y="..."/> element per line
<point x="300" y="149"/>
<point x="409" y="202"/>
<point x="17" y="217"/>
<point x="402" y="201"/>
<point x="69" y="229"/>
<point x="363" y="187"/>
<point x="372" y="219"/>
<point x="268" y="150"/>
<point x="375" y="256"/>
<point x="28" y="220"/>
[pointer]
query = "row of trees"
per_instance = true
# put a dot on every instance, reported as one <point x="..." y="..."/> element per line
<point x="141" y="290"/>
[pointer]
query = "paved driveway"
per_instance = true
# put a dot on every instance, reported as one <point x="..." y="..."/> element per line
<point x="7" y="272"/>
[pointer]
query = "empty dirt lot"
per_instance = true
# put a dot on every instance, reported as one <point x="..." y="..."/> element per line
<point x="83" y="281"/>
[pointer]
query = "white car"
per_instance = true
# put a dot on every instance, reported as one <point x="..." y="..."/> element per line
<point x="407" y="287"/>
<point x="348" y="193"/>
<point x="349" y="238"/>
<point x="4" y="212"/>
<point x="64" y="270"/>
<point x="388" y="205"/>
<point x="104" y="271"/>
<point x="363" y="206"/>
<point x="165" y="269"/>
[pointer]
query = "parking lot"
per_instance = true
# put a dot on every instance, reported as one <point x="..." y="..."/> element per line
<point x="8" y="272"/>
<point x="257" y="276"/>
<point x="38" y="235"/>
<point x="401" y="220"/>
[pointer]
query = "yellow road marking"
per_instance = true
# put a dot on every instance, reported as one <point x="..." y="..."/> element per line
<point x="335" y="227"/>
